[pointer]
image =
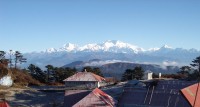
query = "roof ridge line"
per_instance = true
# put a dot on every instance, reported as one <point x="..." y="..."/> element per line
<point x="97" y="75"/>
<point x="102" y="97"/>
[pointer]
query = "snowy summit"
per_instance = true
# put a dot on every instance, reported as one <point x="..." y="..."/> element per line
<point x="108" y="46"/>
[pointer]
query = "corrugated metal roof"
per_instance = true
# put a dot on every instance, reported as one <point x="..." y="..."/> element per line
<point x="96" y="98"/>
<point x="4" y="104"/>
<point x="85" y="76"/>
<point x="165" y="94"/>
<point x="74" y="96"/>
<point x="190" y="94"/>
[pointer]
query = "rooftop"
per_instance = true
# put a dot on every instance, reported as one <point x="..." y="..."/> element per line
<point x="97" y="98"/>
<point x="4" y="104"/>
<point x="190" y="94"/>
<point x="85" y="76"/>
<point x="164" y="93"/>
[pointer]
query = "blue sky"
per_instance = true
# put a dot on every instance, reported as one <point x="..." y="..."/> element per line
<point x="35" y="25"/>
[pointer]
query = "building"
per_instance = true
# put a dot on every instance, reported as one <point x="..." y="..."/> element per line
<point x="148" y="75"/>
<point x="73" y="96"/>
<point x="84" y="80"/>
<point x="96" y="98"/>
<point x="159" y="75"/>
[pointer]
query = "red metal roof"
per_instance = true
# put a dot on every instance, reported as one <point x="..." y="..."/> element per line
<point x="4" y="104"/>
<point x="190" y="94"/>
<point x="96" y="98"/>
<point x="85" y="76"/>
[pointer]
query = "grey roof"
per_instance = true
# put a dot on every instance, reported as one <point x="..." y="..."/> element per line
<point x="85" y="76"/>
<point x="165" y="94"/>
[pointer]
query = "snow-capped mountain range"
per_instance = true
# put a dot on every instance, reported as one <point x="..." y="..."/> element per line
<point x="108" y="46"/>
<point x="112" y="50"/>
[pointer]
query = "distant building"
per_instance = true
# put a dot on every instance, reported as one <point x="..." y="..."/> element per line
<point x="96" y="98"/>
<point x="148" y="75"/>
<point x="84" y="80"/>
<point x="159" y="75"/>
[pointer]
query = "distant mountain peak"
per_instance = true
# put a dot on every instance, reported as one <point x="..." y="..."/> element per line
<point x="51" y="50"/>
<point x="69" y="47"/>
<point x="110" y="44"/>
<point x="113" y="46"/>
<point x="111" y="50"/>
<point x="166" y="46"/>
<point x="107" y="46"/>
<point x="153" y="49"/>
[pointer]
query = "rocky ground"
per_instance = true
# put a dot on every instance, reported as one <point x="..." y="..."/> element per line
<point x="30" y="97"/>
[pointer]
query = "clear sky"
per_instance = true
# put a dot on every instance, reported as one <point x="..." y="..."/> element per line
<point x="35" y="25"/>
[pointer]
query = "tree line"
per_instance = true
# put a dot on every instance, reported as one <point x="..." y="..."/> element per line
<point x="191" y="72"/>
<point x="57" y="74"/>
<point x="130" y="74"/>
<point x="18" y="58"/>
<point x="51" y="74"/>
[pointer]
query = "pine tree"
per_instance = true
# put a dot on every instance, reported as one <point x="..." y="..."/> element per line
<point x="19" y="58"/>
<point x="2" y="55"/>
<point x="185" y="71"/>
<point x="196" y="65"/>
<point x="50" y="71"/>
<point x="37" y="73"/>
<point x="130" y="74"/>
<point x="3" y="60"/>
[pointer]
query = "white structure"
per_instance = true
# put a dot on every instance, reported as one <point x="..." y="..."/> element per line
<point x="6" y="81"/>
<point x="159" y="75"/>
<point x="148" y="75"/>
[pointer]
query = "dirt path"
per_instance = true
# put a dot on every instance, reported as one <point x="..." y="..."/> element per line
<point x="29" y="97"/>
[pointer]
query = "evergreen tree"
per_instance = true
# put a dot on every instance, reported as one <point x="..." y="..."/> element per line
<point x="185" y="71"/>
<point x="2" y="55"/>
<point x="3" y="60"/>
<point x="196" y="65"/>
<point x="63" y="73"/>
<point x="19" y="58"/>
<point x="50" y="72"/>
<point x="37" y="73"/>
<point x="130" y="74"/>
<point x="139" y="72"/>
